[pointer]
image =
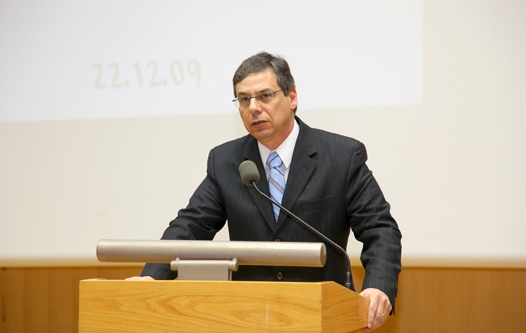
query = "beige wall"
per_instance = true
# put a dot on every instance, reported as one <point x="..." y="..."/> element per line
<point x="431" y="300"/>
<point x="452" y="167"/>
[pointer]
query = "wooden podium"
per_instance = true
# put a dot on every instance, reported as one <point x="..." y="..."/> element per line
<point x="219" y="306"/>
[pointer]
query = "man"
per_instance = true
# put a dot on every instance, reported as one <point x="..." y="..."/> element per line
<point x="326" y="183"/>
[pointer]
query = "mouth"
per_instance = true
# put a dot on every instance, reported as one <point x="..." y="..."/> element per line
<point x="257" y="122"/>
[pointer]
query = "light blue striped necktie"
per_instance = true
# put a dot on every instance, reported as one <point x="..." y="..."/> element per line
<point x="276" y="183"/>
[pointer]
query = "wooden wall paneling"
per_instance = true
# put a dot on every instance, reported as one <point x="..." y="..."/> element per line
<point x="46" y="299"/>
<point x="438" y="300"/>
<point x="431" y="300"/>
<point x="13" y="293"/>
<point x="2" y="301"/>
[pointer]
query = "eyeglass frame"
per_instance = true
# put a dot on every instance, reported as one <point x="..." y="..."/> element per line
<point x="257" y="97"/>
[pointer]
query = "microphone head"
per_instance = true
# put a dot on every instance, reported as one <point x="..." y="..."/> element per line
<point x="249" y="172"/>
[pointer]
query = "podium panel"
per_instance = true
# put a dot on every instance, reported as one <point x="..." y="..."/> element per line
<point x="219" y="306"/>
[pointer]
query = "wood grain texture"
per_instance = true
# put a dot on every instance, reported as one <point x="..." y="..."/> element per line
<point x="212" y="306"/>
<point x="438" y="300"/>
<point x="431" y="300"/>
<point x="46" y="299"/>
<point x="343" y="310"/>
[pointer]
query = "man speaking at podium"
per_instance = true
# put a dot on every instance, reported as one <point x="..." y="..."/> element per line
<point x="320" y="177"/>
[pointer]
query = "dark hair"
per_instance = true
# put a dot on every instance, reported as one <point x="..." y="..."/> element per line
<point x="261" y="62"/>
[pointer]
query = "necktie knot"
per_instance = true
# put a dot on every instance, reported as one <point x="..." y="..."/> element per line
<point x="274" y="160"/>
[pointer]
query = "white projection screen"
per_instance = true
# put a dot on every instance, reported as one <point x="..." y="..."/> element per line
<point x="108" y="110"/>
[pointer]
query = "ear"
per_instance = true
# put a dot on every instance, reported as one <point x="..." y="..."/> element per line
<point x="293" y="96"/>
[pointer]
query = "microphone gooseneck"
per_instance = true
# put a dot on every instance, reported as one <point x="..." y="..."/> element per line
<point x="250" y="176"/>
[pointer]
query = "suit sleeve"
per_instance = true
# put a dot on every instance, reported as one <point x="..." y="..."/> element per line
<point x="373" y="225"/>
<point x="204" y="216"/>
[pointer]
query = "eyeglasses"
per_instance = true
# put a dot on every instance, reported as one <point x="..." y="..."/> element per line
<point x="244" y="102"/>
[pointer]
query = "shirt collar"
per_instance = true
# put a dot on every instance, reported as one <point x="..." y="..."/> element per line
<point x="285" y="150"/>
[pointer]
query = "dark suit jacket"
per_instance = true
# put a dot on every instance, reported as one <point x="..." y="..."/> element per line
<point x="329" y="186"/>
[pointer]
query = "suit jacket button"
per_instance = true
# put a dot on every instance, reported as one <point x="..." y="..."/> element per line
<point x="279" y="276"/>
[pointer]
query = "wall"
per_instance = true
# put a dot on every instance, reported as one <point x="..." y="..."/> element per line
<point x="452" y="166"/>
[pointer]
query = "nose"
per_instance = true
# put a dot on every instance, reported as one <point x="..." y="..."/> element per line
<point x="254" y="106"/>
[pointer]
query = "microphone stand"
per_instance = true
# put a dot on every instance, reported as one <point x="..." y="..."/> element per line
<point x="307" y="226"/>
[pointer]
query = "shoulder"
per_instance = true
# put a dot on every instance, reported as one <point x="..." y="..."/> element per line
<point x="230" y="154"/>
<point x="328" y="141"/>
<point x="234" y="146"/>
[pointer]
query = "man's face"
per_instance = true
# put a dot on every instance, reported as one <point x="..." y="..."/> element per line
<point x="269" y="122"/>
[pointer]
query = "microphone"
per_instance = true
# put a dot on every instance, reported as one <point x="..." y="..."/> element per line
<point x="250" y="176"/>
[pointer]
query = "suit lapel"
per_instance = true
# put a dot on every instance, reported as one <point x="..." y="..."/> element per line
<point x="301" y="169"/>
<point x="265" y="208"/>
